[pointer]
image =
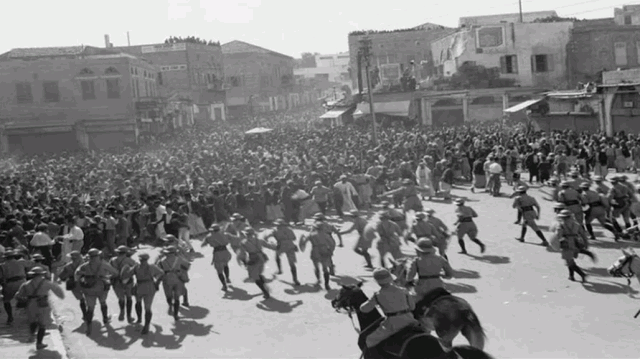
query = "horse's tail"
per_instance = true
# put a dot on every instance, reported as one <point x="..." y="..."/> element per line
<point x="468" y="352"/>
<point x="473" y="330"/>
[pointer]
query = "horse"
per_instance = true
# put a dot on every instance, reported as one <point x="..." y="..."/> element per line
<point x="626" y="266"/>
<point x="449" y="314"/>
<point x="413" y="342"/>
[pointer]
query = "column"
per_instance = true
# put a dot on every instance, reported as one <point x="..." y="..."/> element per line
<point x="427" y="116"/>
<point x="4" y="140"/>
<point x="465" y="108"/>
<point x="505" y="101"/>
<point x="601" y="115"/>
<point x="608" y="104"/>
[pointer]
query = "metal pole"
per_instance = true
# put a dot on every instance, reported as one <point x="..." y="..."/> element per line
<point x="365" y="48"/>
<point x="520" y="5"/>
<point x="128" y="39"/>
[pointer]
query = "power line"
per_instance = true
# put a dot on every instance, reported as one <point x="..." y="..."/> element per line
<point x="602" y="8"/>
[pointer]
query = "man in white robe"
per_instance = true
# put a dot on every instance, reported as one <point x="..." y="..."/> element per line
<point x="423" y="176"/>
<point x="347" y="191"/>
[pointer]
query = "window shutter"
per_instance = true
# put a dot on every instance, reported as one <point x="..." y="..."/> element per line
<point x="503" y="64"/>
<point x="550" y="62"/>
<point x="514" y="63"/>
<point x="533" y="63"/>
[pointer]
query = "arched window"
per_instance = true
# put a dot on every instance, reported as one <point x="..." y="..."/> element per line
<point x="111" y="71"/>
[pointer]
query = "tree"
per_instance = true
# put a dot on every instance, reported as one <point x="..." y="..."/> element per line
<point x="307" y="60"/>
<point x="556" y="19"/>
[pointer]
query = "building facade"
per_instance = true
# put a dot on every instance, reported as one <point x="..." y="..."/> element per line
<point x="593" y="50"/>
<point x="627" y="15"/>
<point x="506" y="18"/>
<point x="191" y="71"/>
<point x="396" y="47"/>
<point x="333" y="68"/>
<point x="57" y="99"/>
<point x="529" y="54"/>
<point x="258" y="80"/>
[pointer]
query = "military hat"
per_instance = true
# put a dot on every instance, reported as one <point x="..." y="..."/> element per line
<point x="565" y="213"/>
<point x="319" y="216"/>
<point x="280" y="222"/>
<point x="73" y="254"/>
<point x="37" y="271"/>
<point x="94" y="252"/>
<point x="585" y="185"/>
<point x="249" y="230"/>
<point x="459" y="201"/>
<point x="170" y="250"/>
<point x="425" y="245"/>
<point x="521" y="189"/>
<point x="37" y="257"/>
<point x="143" y="256"/>
<point x="559" y="205"/>
<point x="9" y="254"/>
<point x="215" y="227"/>
<point x="598" y="178"/>
<point x="430" y="210"/>
<point x="383" y="276"/>
<point x="565" y="184"/>
<point x="353" y="213"/>
<point x="421" y="215"/>
<point x="122" y="249"/>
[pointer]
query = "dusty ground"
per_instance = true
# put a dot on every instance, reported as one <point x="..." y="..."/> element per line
<point x="520" y="292"/>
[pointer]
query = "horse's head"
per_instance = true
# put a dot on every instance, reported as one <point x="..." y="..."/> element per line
<point x="399" y="269"/>
<point x="350" y="297"/>
<point x="623" y="265"/>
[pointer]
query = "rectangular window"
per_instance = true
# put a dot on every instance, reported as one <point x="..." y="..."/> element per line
<point x="23" y="92"/>
<point x="50" y="91"/>
<point x="159" y="78"/>
<point x="88" y="90"/>
<point x="620" y="52"/>
<point x="113" y="88"/>
<point x="509" y="64"/>
<point x="627" y="20"/>
<point x="146" y="88"/>
<point x="541" y="63"/>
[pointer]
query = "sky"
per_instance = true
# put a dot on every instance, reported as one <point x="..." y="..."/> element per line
<point x="286" y="26"/>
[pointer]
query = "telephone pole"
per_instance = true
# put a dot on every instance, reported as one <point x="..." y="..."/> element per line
<point x="520" y="5"/>
<point x="365" y="52"/>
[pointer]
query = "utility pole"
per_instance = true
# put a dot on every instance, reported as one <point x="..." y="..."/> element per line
<point x="365" y="52"/>
<point x="520" y="5"/>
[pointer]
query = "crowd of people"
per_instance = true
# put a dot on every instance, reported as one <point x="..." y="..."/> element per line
<point x="215" y="182"/>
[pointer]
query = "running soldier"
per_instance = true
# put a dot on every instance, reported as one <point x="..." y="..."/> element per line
<point x="530" y="210"/>
<point x="285" y="238"/>
<point x="466" y="226"/>
<point x="221" y="255"/>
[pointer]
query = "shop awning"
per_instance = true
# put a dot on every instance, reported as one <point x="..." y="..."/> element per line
<point x="334" y="113"/>
<point x="394" y="108"/>
<point x="522" y="105"/>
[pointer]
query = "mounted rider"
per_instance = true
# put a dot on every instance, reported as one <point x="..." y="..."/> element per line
<point x="429" y="267"/>
<point x="397" y="305"/>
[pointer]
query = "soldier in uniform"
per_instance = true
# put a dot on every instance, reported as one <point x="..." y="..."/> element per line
<point x="251" y="255"/>
<point x="122" y="286"/>
<point x="39" y="260"/>
<point x="556" y="189"/>
<point x="148" y="277"/>
<point x="362" y="244"/>
<point x="530" y="210"/>
<point x="67" y="274"/>
<point x="466" y="226"/>
<point x="569" y="236"/>
<point x="285" y="238"/>
<point x="330" y="230"/>
<point x="571" y="198"/>
<point x="234" y="230"/>
<point x="396" y="304"/>
<point x="221" y="255"/>
<point x="430" y="269"/>
<point x="410" y="193"/>
<point x="619" y="197"/>
<point x="632" y="196"/>
<point x="35" y="294"/>
<point x="93" y="278"/>
<point x="322" y="247"/>
<point x="389" y="242"/>
<point x="424" y="228"/>
<point x="597" y="208"/>
<point x="601" y="188"/>
<point x="13" y="273"/>
<point x="442" y="231"/>
<point x="175" y="277"/>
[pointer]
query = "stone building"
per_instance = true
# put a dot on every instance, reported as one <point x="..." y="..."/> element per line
<point x="67" y="98"/>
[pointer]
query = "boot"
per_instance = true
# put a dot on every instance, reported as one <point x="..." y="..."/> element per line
<point x="33" y="327"/>
<point x="223" y="281"/>
<point x="523" y="232"/>
<point x="185" y="298"/>
<point x="170" y="303"/>
<point x="367" y="258"/>
<point x="332" y="268"/>
<point x="544" y="240"/>
<point x="279" y="264"/>
<point x="83" y="308"/>
<point x="326" y="281"/>
<point x="294" y="275"/>
<point x="463" y="249"/>
<point x="9" y="309"/>
<point x="317" y="273"/>
<point x="519" y="218"/>
<point x="139" y="312"/>
<point x="482" y="246"/>
<point x="105" y="314"/>
<point x="571" y="273"/>
<point x="39" y="344"/>
<point x="590" y="230"/>
<point x="263" y="287"/>
<point x="589" y="254"/>
<point x="580" y="272"/>
<point x="129" y="306"/>
<point x="147" y="322"/>
<point x="176" y="309"/>
<point x="89" y="321"/>
<point x="226" y="274"/>
<point x="121" y="304"/>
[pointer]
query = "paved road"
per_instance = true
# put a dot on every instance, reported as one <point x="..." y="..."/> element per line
<point x="520" y="292"/>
